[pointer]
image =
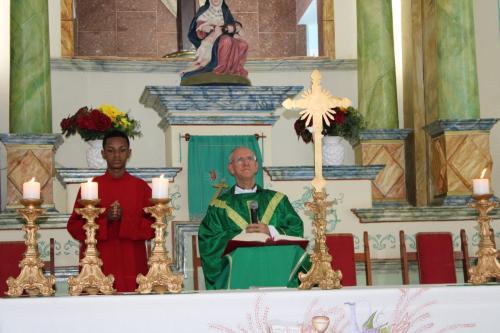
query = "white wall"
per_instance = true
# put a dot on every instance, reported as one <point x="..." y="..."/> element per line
<point x="486" y="17"/>
<point x="345" y="29"/>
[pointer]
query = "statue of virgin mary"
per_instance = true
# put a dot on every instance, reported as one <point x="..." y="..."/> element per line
<point x="220" y="51"/>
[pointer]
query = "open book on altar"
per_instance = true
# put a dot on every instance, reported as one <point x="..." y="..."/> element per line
<point x="253" y="239"/>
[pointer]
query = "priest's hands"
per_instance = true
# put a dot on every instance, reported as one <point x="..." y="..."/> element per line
<point x="114" y="211"/>
<point x="258" y="227"/>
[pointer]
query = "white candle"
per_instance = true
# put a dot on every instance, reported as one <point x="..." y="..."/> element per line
<point x="31" y="189"/>
<point x="160" y="188"/>
<point x="481" y="185"/>
<point x="89" y="190"/>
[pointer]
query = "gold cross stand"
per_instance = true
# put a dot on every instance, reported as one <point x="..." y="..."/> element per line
<point x="317" y="104"/>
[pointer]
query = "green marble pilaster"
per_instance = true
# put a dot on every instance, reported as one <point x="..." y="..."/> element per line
<point x="376" y="68"/>
<point x="30" y="92"/>
<point x="458" y="96"/>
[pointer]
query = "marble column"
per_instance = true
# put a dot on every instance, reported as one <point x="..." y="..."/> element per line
<point x="30" y="92"/>
<point x="458" y="148"/>
<point x="30" y="155"/>
<point x="457" y="88"/>
<point x="376" y="68"/>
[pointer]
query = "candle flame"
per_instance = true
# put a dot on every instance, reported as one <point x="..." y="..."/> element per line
<point x="482" y="173"/>
<point x="32" y="180"/>
<point x="161" y="176"/>
<point x="89" y="180"/>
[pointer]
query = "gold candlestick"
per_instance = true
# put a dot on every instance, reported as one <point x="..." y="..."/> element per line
<point x="487" y="264"/>
<point x="318" y="104"/>
<point x="31" y="277"/>
<point x="91" y="278"/>
<point x="159" y="277"/>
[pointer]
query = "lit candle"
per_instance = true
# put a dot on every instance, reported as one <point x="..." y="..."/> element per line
<point x="160" y="188"/>
<point x="89" y="190"/>
<point x="31" y="189"/>
<point x="481" y="185"/>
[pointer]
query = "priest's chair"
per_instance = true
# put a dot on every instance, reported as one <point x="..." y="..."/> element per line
<point x="435" y="257"/>
<point x="344" y="258"/>
<point x="196" y="261"/>
<point x="11" y="254"/>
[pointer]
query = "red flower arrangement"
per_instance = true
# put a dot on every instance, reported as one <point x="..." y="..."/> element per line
<point x="92" y="124"/>
<point x="347" y="123"/>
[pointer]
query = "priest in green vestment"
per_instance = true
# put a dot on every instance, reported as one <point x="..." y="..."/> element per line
<point x="229" y="214"/>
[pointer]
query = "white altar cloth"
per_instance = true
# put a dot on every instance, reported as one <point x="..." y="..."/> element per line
<point x="392" y="309"/>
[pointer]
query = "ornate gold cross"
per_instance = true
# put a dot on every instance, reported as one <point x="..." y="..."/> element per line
<point x="317" y="104"/>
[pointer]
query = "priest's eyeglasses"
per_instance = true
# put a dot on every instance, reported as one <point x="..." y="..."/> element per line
<point x="247" y="159"/>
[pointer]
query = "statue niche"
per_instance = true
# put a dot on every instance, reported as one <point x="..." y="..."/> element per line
<point x="221" y="52"/>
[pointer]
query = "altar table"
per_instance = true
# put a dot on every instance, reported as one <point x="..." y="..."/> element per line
<point x="355" y="309"/>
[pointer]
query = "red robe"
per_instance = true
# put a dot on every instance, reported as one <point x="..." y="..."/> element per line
<point x="121" y="244"/>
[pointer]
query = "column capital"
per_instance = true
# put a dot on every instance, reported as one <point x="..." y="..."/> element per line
<point x="31" y="139"/>
<point x="438" y="127"/>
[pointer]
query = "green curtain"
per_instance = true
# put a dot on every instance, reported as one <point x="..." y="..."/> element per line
<point x="208" y="157"/>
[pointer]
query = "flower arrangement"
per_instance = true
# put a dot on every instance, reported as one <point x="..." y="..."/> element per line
<point x="347" y="123"/>
<point x="93" y="124"/>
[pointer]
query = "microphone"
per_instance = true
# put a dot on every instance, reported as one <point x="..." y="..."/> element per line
<point x="254" y="208"/>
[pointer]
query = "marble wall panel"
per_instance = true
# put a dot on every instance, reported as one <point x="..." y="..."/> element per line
<point x="136" y="34"/>
<point x="97" y="43"/>
<point x="136" y="22"/>
<point x="136" y="5"/>
<point x="146" y="28"/>
<point x="165" y="21"/>
<point x="277" y="16"/>
<point x="167" y="43"/>
<point x="125" y="28"/>
<point x="243" y="6"/>
<point x="137" y="44"/>
<point x="278" y="44"/>
<point x="96" y="15"/>
<point x="301" y="40"/>
<point x="250" y="22"/>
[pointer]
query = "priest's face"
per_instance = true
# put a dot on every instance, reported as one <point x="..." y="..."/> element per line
<point x="116" y="153"/>
<point x="243" y="166"/>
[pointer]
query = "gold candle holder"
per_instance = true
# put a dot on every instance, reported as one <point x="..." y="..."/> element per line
<point x="487" y="264"/>
<point x="159" y="278"/>
<point x="321" y="271"/>
<point x="91" y="278"/>
<point x="31" y="277"/>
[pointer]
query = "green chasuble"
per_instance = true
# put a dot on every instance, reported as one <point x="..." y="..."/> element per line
<point x="229" y="214"/>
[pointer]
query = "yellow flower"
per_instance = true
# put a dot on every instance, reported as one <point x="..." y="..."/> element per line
<point x="111" y="111"/>
<point x="124" y="122"/>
